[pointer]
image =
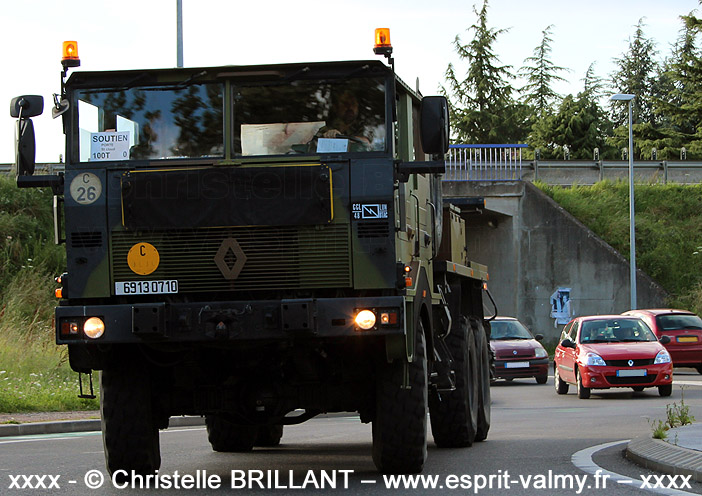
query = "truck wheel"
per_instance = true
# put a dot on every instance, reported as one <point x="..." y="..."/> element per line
<point x="228" y="437"/>
<point x="482" y="348"/>
<point x="129" y="429"/>
<point x="400" y="424"/>
<point x="454" y="414"/>
<point x="269" y="435"/>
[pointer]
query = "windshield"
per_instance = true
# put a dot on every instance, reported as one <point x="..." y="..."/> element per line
<point x="679" y="321"/>
<point x="508" y="329"/>
<point x="150" y="123"/>
<point x="309" y="117"/>
<point x="615" y="330"/>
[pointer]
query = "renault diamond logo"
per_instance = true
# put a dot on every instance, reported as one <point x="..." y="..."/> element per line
<point x="230" y="272"/>
<point x="631" y="363"/>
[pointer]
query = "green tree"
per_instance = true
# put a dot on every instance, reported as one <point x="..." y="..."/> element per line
<point x="540" y="73"/>
<point x="636" y="75"/>
<point x="579" y="123"/>
<point x="481" y="104"/>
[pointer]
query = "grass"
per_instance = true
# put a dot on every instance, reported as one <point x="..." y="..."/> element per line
<point x="34" y="372"/>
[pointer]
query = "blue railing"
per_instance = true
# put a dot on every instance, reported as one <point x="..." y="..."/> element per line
<point x="484" y="163"/>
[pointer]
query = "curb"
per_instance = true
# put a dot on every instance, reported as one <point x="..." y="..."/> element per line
<point x="662" y="456"/>
<point x="65" y="426"/>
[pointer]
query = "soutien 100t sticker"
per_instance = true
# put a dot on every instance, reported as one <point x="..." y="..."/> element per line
<point x="370" y="210"/>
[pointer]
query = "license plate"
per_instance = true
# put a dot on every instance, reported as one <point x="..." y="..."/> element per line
<point x="687" y="339"/>
<point x="632" y="373"/>
<point x="516" y="365"/>
<point x="146" y="287"/>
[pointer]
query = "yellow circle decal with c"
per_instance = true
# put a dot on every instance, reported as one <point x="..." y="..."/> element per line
<point x="143" y="258"/>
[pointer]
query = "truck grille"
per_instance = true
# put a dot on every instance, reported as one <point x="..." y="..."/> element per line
<point x="276" y="257"/>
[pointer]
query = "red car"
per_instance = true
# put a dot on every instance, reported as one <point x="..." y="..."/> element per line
<point x="517" y="352"/>
<point x="606" y="351"/>
<point x="684" y="330"/>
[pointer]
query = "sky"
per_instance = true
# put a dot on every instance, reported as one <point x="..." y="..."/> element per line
<point x="135" y="34"/>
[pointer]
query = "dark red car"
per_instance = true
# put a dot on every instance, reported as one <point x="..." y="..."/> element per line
<point x="517" y="352"/>
<point x="684" y="330"/>
<point x="607" y="351"/>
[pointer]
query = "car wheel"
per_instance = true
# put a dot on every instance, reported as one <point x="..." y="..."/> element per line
<point x="583" y="392"/>
<point x="560" y="385"/>
<point x="638" y="389"/>
<point x="665" y="390"/>
<point x="699" y="369"/>
<point x="541" y="379"/>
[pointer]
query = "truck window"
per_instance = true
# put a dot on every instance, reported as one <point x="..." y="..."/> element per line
<point x="309" y="117"/>
<point x="150" y="123"/>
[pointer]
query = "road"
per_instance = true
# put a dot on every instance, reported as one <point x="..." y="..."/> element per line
<point x="533" y="438"/>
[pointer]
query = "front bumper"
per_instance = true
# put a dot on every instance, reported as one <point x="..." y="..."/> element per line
<point x="524" y="367"/>
<point x="229" y="320"/>
<point x="603" y="377"/>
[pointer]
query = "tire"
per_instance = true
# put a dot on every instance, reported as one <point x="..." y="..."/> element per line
<point x="269" y="436"/>
<point x="560" y="385"/>
<point x="583" y="392"/>
<point x="665" y="390"/>
<point x="227" y="437"/>
<point x="482" y="348"/>
<point x="129" y="428"/>
<point x="454" y="414"/>
<point x="400" y="424"/>
<point x="541" y="379"/>
<point x="638" y="389"/>
<point x="699" y="369"/>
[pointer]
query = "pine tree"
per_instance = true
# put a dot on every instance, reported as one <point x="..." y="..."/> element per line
<point x="540" y="73"/>
<point x="481" y="104"/>
<point x="635" y="75"/>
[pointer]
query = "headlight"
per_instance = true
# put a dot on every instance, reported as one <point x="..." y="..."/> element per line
<point x="365" y="319"/>
<point x="540" y="353"/>
<point x="594" y="359"/>
<point x="662" y="357"/>
<point x="94" y="327"/>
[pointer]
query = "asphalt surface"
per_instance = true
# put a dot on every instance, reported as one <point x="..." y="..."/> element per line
<point x="539" y="443"/>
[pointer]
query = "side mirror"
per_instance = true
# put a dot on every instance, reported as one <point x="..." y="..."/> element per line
<point x="22" y="108"/>
<point x="664" y="339"/>
<point x="434" y="125"/>
<point x="25" y="151"/>
<point x="567" y="343"/>
<point x="539" y="337"/>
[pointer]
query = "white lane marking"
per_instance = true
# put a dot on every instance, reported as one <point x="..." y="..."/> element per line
<point x="583" y="460"/>
<point x="75" y="435"/>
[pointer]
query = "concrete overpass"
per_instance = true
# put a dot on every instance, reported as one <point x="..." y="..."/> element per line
<point x="533" y="247"/>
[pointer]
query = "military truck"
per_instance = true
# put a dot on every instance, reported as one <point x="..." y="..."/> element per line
<point x="259" y="245"/>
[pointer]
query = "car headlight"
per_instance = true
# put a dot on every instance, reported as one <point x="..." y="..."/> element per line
<point x="540" y="353"/>
<point x="594" y="359"/>
<point x="662" y="357"/>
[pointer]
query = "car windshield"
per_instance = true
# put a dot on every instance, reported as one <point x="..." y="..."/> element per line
<point x="508" y="329"/>
<point x="678" y="321"/>
<point x="615" y="331"/>
<point x="309" y="117"/>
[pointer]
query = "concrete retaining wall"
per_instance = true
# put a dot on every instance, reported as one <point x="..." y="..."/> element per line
<point x="532" y="246"/>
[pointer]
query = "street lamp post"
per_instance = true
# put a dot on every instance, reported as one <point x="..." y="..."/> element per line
<point x="632" y="239"/>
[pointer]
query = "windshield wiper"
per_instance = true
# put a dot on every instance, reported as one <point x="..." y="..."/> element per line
<point x="189" y="80"/>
